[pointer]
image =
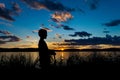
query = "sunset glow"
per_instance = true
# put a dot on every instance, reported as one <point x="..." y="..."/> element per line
<point x="79" y="24"/>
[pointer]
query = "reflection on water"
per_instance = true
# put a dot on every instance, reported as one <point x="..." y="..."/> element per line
<point x="65" y="55"/>
<point x="62" y="56"/>
<point x="32" y="55"/>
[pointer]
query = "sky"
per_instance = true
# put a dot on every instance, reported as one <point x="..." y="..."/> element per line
<point x="69" y="23"/>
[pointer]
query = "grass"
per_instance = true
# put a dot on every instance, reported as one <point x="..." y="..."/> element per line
<point x="74" y="62"/>
<point x="16" y="62"/>
<point x="93" y="59"/>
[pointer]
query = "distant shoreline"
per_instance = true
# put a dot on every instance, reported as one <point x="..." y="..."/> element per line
<point x="36" y="49"/>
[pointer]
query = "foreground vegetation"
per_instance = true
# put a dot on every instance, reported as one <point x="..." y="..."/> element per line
<point x="74" y="62"/>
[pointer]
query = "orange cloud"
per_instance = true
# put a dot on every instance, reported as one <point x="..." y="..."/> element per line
<point x="2" y="5"/>
<point x="61" y="16"/>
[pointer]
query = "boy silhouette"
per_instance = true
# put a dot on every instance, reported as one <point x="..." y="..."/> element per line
<point x="43" y="50"/>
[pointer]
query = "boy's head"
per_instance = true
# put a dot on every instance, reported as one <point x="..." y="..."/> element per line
<point x="42" y="33"/>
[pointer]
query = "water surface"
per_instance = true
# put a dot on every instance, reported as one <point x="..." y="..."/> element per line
<point x="65" y="55"/>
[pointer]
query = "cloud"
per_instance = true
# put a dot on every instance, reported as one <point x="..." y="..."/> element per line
<point x="2" y="42"/>
<point x="61" y="16"/>
<point x="5" y="32"/>
<point x="115" y="40"/>
<point x="55" y="26"/>
<point x="6" y="14"/>
<point x="106" y="32"/>
<point x="66" y="27"/>
<point x="16" y="7"/>
<point x="47" y="29"/>
<point x="47" y="4"/>
<point x="35" y="4"/>
<point x="93" y="4"/>
<point x="81" y="34"/>
<point x="42" y="26"/>
<point x="35" y="31"/>
<point x="113" y="23"/>
<point x="2" y="5"/>
<point x="58" y="36"/>
<point x="6" y="24"/>
<point x="56" y="6"/>
<point x="5" y="39"/>
<point x="10" y="38"/>
<point x="14" y="39"/>
<point x="80" y="10"/>
<point x="28" y="37"/>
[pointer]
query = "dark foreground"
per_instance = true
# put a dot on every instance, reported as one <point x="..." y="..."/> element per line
<point x="88" y="71"/>
<point x="76" y="67"/>
<point x="89" y="68"/>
